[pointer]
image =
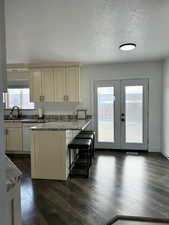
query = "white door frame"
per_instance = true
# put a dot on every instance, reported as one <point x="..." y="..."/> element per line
<point x="119" y="107"/>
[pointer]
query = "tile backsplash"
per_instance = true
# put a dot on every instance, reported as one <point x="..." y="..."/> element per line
<point x="53" y="109"/>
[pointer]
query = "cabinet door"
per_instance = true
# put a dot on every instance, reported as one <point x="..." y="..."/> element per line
<point x="59" y="84"/>
<point x="13" y="139"/>
<point x="48" y="156"/>
<point x="48" y="85"/>
<point x="35" y="86"/>
<point x="72" y="83"/>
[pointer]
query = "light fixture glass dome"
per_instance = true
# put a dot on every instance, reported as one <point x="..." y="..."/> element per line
<point x="127" y="47"/>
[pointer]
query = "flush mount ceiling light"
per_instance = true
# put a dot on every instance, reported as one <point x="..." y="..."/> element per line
<point x="127" y="47"/>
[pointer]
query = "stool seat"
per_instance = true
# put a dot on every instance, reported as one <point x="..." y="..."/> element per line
<point x="80" y="144"/>
<point x="85" y="136"/>
<point x="87" y="132"/>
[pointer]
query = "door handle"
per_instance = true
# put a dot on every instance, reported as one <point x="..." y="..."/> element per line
<point x="42" y="98"/>
<point x="123" y="117"/>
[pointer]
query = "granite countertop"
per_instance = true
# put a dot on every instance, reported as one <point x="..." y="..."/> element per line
<point x="25" y="120"/>
<point x="13" y="174"/>
<point x="63" y="125"/>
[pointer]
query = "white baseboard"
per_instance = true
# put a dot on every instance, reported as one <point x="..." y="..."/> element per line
<point x="154" y="149"/>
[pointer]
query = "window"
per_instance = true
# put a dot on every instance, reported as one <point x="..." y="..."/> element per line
<point x="19" y="97"/>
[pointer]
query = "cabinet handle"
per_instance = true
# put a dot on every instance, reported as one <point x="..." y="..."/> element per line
<point x="6" y="131"/>
<point x="66" y="97"/>
<point x="42" y="98"/>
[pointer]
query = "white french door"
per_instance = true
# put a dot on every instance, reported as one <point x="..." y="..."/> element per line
<point x="121" y="109"/>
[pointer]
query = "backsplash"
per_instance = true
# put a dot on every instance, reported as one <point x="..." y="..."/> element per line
<point x="53" y="109"/>
<point x="58" y="108"/>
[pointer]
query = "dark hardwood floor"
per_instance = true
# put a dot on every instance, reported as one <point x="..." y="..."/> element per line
<point x="118" y="184"/>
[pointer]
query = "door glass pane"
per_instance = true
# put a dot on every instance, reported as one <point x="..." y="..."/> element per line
<point x="105" y="106"/>
<point x="134" y="114"/>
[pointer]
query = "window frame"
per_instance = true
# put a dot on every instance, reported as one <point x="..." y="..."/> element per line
<point x="7" y="99"/>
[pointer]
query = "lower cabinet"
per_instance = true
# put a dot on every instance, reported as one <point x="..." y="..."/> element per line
<point x="49" y="156"/>
<point x="13" y="137"/>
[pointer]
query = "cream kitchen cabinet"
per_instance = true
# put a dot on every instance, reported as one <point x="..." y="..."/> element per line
<point x="49" y="155"/>
<point x="47" y="85"/>
<point x="60" y="84"/>
<point x="35" y="86"/>
<point x="13" y="137"/>
<point x="72" y="84"/>
<point x="41" y="85"/>
<point x="47" y="88"/>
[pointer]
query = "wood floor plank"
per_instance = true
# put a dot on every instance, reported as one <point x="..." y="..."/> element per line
<point x="118" y="184"/>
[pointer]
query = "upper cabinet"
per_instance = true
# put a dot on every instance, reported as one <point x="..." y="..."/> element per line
<point x="59" y="84"/>
<point x="47" y="85"/>
<point x="72" y="87"/>
<point x="35" y="86"/>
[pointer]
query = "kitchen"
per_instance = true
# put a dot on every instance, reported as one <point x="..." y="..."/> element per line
<point x="39" y="141"/>
<point x="84" y="111"/>
<point x="50" y="83"/>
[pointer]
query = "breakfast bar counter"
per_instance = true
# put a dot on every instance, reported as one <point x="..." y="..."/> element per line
<point x="63" y="125"/>
<point x="49" y="148"/>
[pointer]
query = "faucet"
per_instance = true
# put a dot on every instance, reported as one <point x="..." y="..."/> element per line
<point x="15" y="107"/>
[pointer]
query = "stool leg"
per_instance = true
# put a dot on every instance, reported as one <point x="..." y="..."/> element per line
<point x="69" y="163"/>
<point x="93" y="145"/>
<point x="88" y="160"/>
<point x="91" y="153"/>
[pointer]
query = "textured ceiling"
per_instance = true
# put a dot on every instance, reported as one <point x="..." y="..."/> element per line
<point x="88" y="31"/>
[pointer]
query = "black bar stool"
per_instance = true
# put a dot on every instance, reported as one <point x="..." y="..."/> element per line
<point x="90" y="132"/>
<point x="85" y="135"/>
<point x="83" y="145"/>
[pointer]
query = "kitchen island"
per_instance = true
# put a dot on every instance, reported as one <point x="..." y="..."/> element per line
<point x="49" y="152"/>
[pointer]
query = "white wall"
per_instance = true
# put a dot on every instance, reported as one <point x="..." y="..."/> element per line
<point x="90" y="73"/>
<point x="165" y="111"/>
